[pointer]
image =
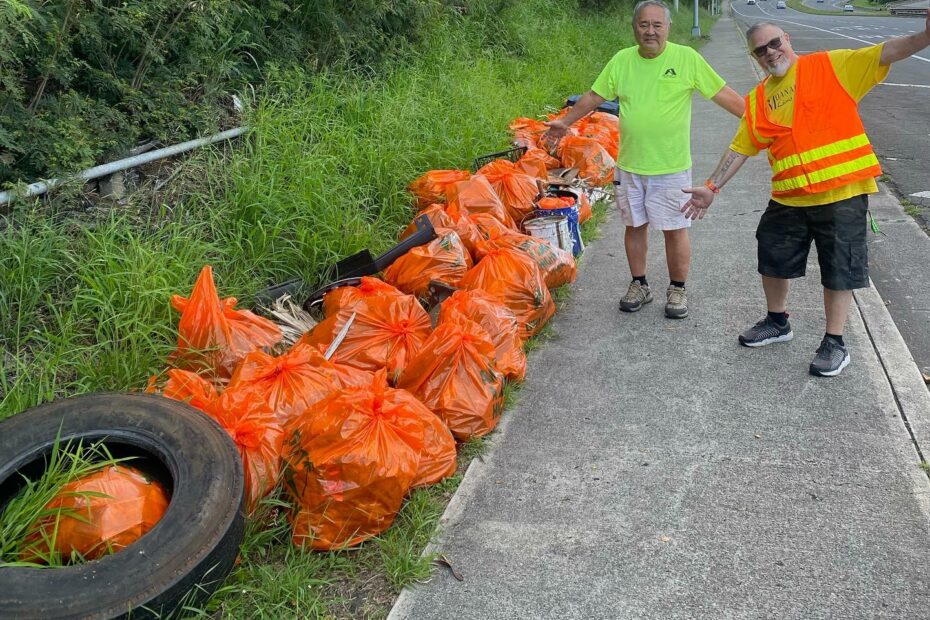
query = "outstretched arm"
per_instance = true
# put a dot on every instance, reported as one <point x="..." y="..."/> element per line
<point x="584" y="106"/>
<point x="703" y="196"/>
<point x="900" y="48"/>
<point x="729" y="100"/>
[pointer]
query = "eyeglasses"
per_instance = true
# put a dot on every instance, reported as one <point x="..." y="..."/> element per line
<point x="761" y="51"/>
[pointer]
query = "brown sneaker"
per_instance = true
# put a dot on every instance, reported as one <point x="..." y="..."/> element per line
<point x="635" y="297"/>
<point x="677" y="305"/>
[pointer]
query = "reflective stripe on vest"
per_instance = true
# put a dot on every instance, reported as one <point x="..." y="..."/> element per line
<point x="820" y="152"/>
<point x="825" y="174"/>
<point x="751" y="103"/>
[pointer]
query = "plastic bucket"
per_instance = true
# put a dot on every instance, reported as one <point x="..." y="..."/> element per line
<point x="574" y="228"/>
<point x="551" y="228"/>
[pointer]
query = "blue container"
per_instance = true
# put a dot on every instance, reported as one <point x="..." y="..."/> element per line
<point x="573" y="226"/>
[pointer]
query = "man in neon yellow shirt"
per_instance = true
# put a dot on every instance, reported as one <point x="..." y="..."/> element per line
<point x="805" y="115"/>
<point x="654" y="81"/>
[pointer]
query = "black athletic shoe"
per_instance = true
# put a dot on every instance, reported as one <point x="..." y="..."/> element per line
<point x="766" y="332"/>
<point x="831" y="358"/>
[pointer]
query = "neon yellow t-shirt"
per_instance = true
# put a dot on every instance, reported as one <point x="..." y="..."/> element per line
<point x="655" y="105"/>
<point x="858" y="72"/>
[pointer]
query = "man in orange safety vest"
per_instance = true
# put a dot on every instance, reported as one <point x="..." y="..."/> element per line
<point x="804" y="113"/>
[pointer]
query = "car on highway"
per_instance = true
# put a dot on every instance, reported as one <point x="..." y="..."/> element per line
<point x="781" y="4"/>
<point x="849" y="8"/>
<point x="750" y="1"/>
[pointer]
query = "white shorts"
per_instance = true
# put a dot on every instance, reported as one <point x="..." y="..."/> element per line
<point x="652" y="199"/>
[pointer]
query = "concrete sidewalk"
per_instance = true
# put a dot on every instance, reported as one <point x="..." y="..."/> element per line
<point x="656" y="469"/>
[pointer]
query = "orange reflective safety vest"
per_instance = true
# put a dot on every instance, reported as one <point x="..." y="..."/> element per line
<point x="826" y="146"/>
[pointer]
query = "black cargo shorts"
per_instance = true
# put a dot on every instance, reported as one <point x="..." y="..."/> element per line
<point x="839" y="231"/>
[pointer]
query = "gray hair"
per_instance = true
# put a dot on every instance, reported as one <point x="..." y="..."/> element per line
<point x="644" y="3"/>
<point x="756" y="27"/>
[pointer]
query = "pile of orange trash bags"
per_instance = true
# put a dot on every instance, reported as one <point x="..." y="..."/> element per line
<point x="592" y="145"/>
<point x="345" y="430"/>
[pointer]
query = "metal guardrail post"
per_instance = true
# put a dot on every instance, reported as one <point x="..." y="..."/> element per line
<point x="96" y="172"/>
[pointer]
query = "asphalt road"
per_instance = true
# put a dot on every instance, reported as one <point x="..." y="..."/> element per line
<point x="896" y="115"/>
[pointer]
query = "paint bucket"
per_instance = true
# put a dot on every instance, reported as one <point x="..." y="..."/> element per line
<point x="551" y="228"/>
<point x="573" y="226"/>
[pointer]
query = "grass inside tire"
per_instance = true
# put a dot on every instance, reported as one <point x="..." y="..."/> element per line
<point x="188" y="553"/>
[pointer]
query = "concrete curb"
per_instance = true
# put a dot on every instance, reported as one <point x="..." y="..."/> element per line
<point x="907" y="384"/>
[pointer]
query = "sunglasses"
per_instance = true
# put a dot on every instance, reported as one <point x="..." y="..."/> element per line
<point x="760" y="51"/>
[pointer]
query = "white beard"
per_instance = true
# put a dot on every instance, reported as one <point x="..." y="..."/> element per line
<point x="780" y="69"/>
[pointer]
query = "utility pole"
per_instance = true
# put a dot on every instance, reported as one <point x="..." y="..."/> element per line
<point x="676" y="6"/>
<point x="696" y="30"/>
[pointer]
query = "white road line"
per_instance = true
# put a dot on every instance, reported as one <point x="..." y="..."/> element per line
<point x="845" y="36"/>
<point x="921" y="194"/>
<point x="910" y="85"/>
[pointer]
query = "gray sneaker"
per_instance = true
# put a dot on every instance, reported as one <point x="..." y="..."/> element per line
<point x="766" y="332"/>
<point x="676" y="306"/>
<point x="635" y="297"/>
<point x="831" y="358"/>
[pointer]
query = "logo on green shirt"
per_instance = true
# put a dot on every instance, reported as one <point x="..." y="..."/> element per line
<point x="669" y="73"/>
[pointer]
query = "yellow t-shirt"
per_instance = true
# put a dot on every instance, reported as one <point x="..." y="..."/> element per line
<point x="858" y="72"/>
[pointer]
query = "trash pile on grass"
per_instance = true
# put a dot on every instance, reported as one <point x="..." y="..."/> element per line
<point x="374" y="399"/>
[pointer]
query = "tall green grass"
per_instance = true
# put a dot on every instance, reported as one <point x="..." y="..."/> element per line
<point x="322" y="174"/>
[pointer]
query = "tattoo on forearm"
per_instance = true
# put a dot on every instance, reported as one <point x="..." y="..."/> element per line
<point x="725" y="164"/>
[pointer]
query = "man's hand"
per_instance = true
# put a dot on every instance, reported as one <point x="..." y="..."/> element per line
<point x="701" y="199"/>
<point x="557" y="130"/>
<point x="559" y="127"/>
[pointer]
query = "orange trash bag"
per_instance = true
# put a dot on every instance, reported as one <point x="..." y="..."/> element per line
<point x="555" y="202"/>
<point x="557" y="265"/>
<point x="437" y="217"/>
<point x="345" y="296"/>
<point x="584" y="209"/>
<point x="294" y="380"/>
<point x="473" y="228"/>
<point x="455" y="377"/>
<point x="247" y="418"/>
<point x="212" y="334"/>
<point x="527" y="131"/>
<point x="605" y="120"/>
<point x="593" y="162"/>
<point x="465" y="228"/>
<point x="516" y="189"/>
<point x="537" y="163"/>
<point x="432" y="186"/>
<point x="97" y="514"/>
<point x="605" y="137"/>
<point x="438" y="459"/>
<point x="497" y="320"/>
<point x="444" y="259"/>
<point x="351" y="460"/>
<point x="514" y="279"/>
<point x="386" y="333"/>
<point x="477" y="196"/>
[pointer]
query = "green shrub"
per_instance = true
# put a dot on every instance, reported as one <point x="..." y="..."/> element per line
<point x="83" y="80"/>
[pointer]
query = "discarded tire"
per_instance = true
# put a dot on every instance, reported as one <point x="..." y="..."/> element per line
<point x="183" y="559"/>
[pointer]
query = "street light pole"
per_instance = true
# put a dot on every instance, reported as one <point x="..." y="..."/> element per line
<point x="696" y="30"/>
